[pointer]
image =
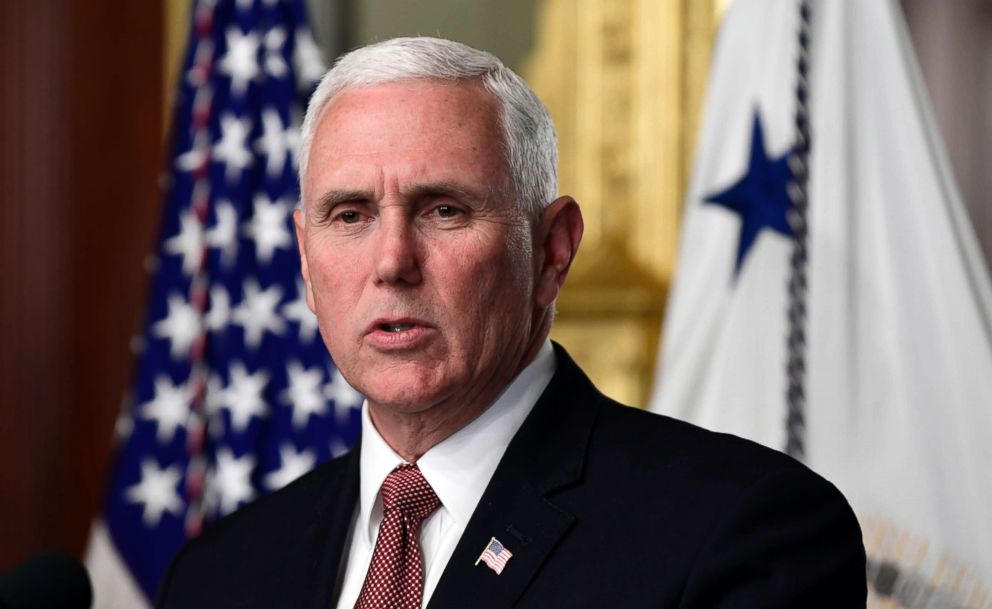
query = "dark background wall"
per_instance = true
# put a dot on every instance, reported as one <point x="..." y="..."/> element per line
<point x="81" y="110"/>
<point x="80" y="148"/>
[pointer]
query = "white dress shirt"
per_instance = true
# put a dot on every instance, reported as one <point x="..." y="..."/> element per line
<point x="458" y="469"/>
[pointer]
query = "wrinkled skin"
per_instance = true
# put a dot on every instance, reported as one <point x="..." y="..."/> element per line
<point x="431" y="287"/>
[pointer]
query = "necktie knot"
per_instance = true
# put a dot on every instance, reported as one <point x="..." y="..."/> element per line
<point x="405" y="489"/>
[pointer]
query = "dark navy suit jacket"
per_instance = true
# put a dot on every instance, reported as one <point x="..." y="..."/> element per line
<point x="601" y="505"/>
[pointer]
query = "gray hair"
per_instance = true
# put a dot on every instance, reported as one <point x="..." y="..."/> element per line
<point x="529" y="138"/>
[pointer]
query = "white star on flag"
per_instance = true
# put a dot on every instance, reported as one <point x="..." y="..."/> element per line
<point x="240" y="61"/>
<point x="292" y="134"/>
<point x="213" y="401"/>
<point x="169" y="408"/>
<point x="157" y="492"/>
<point x="293" y="142"/>
<point x="195" y="156"/>
<point x="213" y="404"/>
<point x="229" y="481"/>
<point x="257" y="312"/>
<point x="294" y="465"/>
<point x="337" y="448"/>
<point x="220" y="309"/>
<point x="304" y="394"/>
<point x="224" y="233"/>
<point x="276" y="143"/>
<point x="343" y="395"/>
<point x="180" y="326"/>
<point x="188" y="242"/>
<point x="307" y="59"/>
<point x="243" y="396"/>
<point x="267" y="227"/>
<point x="275" y="65"/>
<point x="300" y="312"/>
<point x="232" y="149"/>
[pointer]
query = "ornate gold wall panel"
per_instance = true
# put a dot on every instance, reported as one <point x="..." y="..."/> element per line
<point x="623" y="80"/>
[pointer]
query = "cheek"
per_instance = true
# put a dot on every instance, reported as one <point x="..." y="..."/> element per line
<point x="498" y="288"/>
<point x="331" y="260"/>
<point x="336" y="283"/>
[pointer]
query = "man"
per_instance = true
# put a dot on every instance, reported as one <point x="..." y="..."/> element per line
<point x="490" y="472"/>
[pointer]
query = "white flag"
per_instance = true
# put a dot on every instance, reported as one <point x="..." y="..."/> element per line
<point x="899" y="333"/>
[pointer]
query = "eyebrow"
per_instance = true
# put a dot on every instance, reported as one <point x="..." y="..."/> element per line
<point x="443" y="188"/>
<point x="326" y="202"/>
<point x="332" y="198"/>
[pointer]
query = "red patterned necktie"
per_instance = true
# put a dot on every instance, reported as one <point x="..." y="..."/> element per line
<point x="396" y="575"/>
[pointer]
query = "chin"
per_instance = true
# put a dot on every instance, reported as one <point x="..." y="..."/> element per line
<point x="407" y="403"/>
<point x="405" y="390"/>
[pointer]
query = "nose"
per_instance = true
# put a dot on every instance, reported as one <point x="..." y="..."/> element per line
<point x="396" y="255"/>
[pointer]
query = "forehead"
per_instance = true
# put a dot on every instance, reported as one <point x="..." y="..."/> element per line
<point x="449" y="100"/>
<point x="428" y="126"/>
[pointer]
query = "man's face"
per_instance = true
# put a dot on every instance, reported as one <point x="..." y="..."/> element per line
<point x="419" y="263"/>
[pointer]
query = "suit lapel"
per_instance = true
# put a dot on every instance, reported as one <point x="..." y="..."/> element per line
<point x="545" y="455"/>
<point x="314" y="564"/>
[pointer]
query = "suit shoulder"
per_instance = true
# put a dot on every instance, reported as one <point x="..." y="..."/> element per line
<point x="267" y="523"/>
<point x="658" y="441"/>
<point x="245" y="553"/>
<point x="296" y="498"/>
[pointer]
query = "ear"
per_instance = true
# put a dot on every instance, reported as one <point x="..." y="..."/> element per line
<point x="298" y="223"/>
<point x="558" y="236"/>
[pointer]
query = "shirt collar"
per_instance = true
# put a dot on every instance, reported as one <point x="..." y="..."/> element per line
<point x="459" y="467"/>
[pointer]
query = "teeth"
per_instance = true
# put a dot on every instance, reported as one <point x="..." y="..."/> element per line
<point x="396" y="327"/>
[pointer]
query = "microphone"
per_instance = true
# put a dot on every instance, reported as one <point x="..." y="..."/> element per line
<point x="50" y="580"/>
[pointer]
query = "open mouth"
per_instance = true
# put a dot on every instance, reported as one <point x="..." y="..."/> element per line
<point x="396" y="327"/>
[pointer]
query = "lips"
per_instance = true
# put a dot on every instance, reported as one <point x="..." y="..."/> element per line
<point x="399" y="335"/>
<point x="396" y="325"/>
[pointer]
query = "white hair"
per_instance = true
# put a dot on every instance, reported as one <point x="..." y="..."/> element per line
<point x="529" y="138"/>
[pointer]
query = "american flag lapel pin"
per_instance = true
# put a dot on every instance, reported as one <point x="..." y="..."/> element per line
<point x="496" y="555"/>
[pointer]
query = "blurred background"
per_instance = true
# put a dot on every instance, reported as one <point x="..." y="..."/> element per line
<point x="84" y="105"/>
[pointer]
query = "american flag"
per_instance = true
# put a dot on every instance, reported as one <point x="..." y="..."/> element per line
<point x="495" y="555"/>
<point x="235" y="394"/>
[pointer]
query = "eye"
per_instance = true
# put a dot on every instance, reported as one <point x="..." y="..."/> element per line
<point x="447" y="211"/>
<point x="349" y="216"/>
